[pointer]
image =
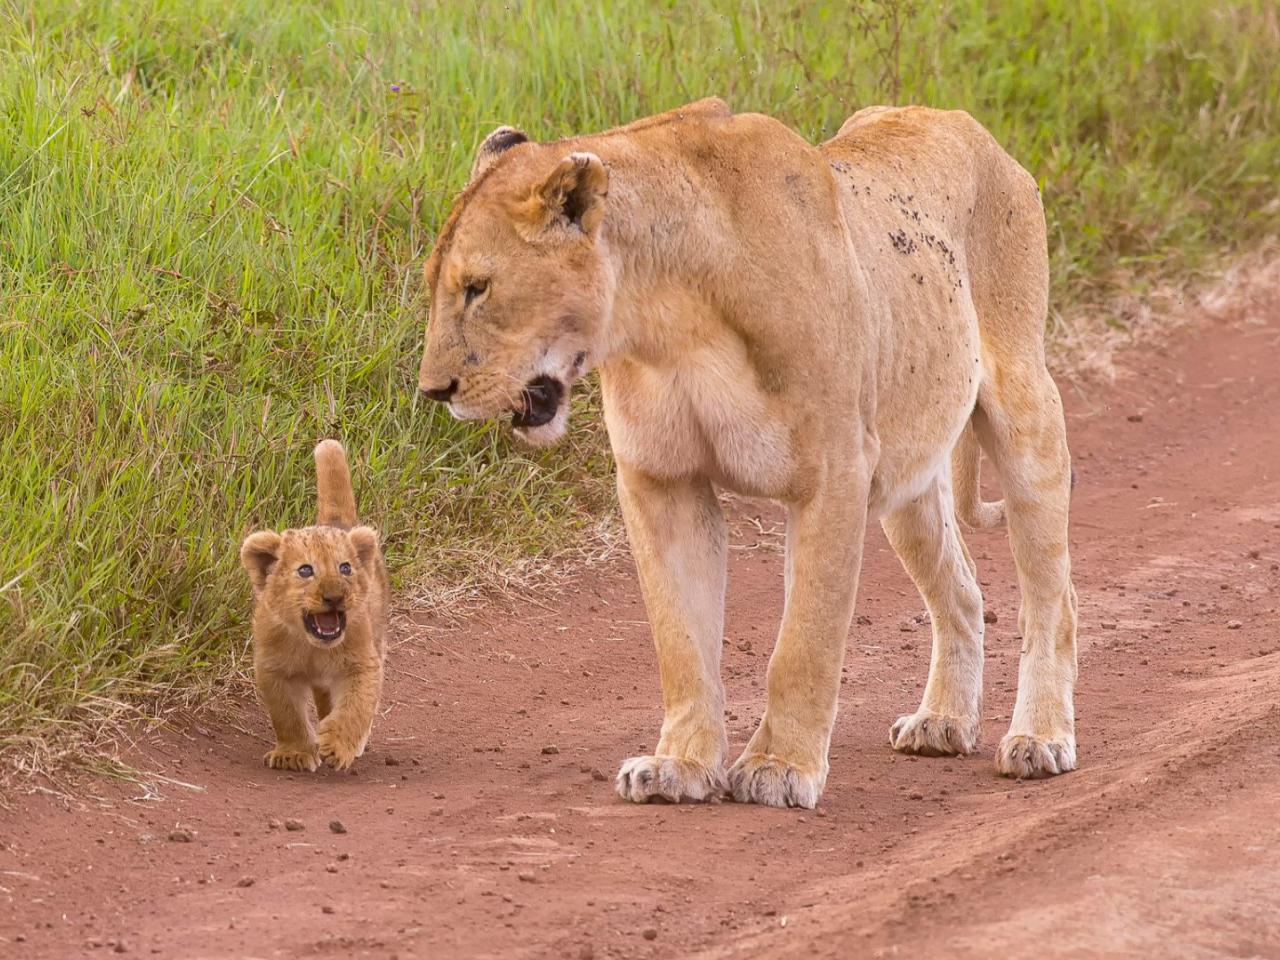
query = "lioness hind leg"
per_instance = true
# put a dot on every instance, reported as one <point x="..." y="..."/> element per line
<point x="927" y="541"/>
<point x="1022" y="428"/>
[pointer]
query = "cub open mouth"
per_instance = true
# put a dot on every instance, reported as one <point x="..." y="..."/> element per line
<point x="539" y="400"/>
<point x="326" y="626"/>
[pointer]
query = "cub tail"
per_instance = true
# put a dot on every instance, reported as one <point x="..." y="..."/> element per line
<point x="973" y="511"/>
<point x="335" y="501"/>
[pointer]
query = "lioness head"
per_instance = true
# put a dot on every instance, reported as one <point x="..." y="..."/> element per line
<point x="520" y="288"/>
<point x="311" y="579"/>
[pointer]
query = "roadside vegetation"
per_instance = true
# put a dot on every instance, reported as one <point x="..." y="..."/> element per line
<point x="213" y="215"/>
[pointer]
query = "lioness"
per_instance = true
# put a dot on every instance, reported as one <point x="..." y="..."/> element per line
<point x="833" y="327"/>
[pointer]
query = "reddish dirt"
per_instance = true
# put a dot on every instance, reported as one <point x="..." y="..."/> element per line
<point x="469" y="836"/>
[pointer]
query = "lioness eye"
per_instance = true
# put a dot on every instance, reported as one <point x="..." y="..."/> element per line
<point x="474" y="289"/>
<point x="305" y="571"/>
<point x="344" y="568"/>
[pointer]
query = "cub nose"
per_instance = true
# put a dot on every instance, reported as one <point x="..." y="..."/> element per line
<point x="334" y="602"/>
<point x="443" y="394"/>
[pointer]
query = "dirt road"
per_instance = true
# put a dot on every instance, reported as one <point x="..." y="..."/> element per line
<point x="483" y="822"/>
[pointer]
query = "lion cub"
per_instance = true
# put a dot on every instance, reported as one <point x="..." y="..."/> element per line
<point x="319" y="625"/>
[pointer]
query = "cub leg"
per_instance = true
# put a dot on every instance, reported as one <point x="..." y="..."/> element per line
<point x="286" y="701"/>
<point x="342" y="735"/>
<point x="680" y="543"/>
<point x="925" y="537"/>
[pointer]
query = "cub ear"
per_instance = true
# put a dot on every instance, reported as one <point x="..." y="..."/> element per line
<point x="365" y="540"/>
<point x="494" y="146"/>
<point x="259" y="553"/>
<point x="572" y="195"/>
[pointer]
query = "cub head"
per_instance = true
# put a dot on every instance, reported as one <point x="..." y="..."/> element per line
<point x="520" y="287"/>
<point x="312" y="579"/>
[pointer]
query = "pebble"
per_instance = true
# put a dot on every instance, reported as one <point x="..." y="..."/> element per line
<point x="649" y="933"/>
<point x="1234" y="624"/>
<point x="392" y="762"/>
<point x="598" y="774"/>
<point x="245" y="882"/>
<point x="274" y="824"/>
<point x="527" y="877"/>
<point x="551" y="750"/>
<point x="294" y="825"/>
<point x="121" y="947"/>
<point x="182" y="835"/>
<point x="989" y="616"/>
<point x="326" y="909"/>
<point x="1135" y="418"/>
<point x="337" y="826"/>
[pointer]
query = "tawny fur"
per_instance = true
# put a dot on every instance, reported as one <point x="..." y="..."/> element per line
<point x="839" y="328"/>
<point x="293" y="667"/>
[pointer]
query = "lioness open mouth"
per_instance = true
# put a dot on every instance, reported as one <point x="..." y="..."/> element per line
<point x="327" y="626"/>
<point x="540" y="400"/>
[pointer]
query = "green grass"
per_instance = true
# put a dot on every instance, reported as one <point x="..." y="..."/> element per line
<point x="213" y="213"/>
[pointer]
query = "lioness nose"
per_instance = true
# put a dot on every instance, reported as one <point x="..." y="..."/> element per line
<point x="443" y="394"/>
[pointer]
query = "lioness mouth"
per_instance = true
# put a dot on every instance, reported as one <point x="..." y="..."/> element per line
<point x="539" y="400"/>
<point x="327" y="626"/>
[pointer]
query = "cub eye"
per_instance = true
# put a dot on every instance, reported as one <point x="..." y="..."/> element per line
<point x="305" y="571"/>
<point x="474" y="289"/>
<point x="344" y="568"/>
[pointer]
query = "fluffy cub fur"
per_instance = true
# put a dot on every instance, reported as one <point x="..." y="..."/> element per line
<point x="319" y="625"/>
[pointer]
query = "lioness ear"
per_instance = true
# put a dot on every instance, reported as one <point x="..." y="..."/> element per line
<point x="259" y="554"/>
<point x="573" y="194"/>
<point x="365" y="540"/>
<point x="494" y="146"/>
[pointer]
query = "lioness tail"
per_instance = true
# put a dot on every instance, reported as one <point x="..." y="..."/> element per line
<point x="972" y="510"/>
<point x="335" y="501"/>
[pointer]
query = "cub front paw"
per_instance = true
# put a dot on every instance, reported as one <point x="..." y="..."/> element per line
<point x="934" y="735"/>
<point x="336" y="750"/>
<point x="774" y="782"/>
<point x="292" y="758"/>
<point x="1027" y="756"/>
<point x="673" y="779"/>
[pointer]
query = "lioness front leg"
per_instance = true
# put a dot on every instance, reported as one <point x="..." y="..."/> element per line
<point x="785" y="763"/>
<point x="341" y="736"/>
<point x="678" y="537"/>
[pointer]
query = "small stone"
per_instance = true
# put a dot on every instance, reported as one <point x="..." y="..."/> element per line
<point x="337" y="826"/>
<point x="551" y="750"/>
<point x="326" y="909"/>
<point x="1108" y="624"/>
<point x="598" y="774"/>
<point x="915" y="795"/>
<point x="391" y="762"/>
<point x="649" y="933"/>
<point x="274" y="824"/>
<point x="245" y="882"/>
<point x="989" y="616"/>
<point x="437" y="811"/>
<point x="330" y="868"/>
<point x="1234" y="624"/>
<point x="1135" y="418"/>
<point x="294" y="825"/>
<point x="121" y="947"/>
<point x="182" y="835"/>
<point x="744" y="646"/>
<point x="527" y="877"/>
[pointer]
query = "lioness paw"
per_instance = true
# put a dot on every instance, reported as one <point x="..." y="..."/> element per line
<point x="335" y="749"/>
<point x="934" y="735"/>
<point x="291" y="758"/>
<point x="641" y="779"/>
<point x="1027" y="756"/>
<point x="771" y="780"/>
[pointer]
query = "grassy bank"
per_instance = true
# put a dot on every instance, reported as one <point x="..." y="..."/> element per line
<point x="213" y="213"/>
